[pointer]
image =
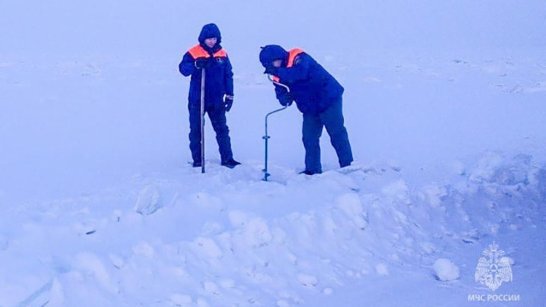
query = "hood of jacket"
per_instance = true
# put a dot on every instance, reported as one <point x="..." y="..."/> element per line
<point x="270" y="53"/>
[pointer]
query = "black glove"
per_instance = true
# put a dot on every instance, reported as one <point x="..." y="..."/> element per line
<point x="202" y="62"/>
<point x="228" y="102"/>
<point x="271" y="70"/>
<point x="286" y="100"/>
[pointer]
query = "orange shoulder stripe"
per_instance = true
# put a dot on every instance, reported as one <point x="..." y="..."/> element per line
<point x="220" y="54"/>
<point x="292" y="54"/>
<point x="199" y="52"/>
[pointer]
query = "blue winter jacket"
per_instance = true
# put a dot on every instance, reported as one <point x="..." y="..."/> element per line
<point x="218" y="75"/>
<point x="311" y="86"/>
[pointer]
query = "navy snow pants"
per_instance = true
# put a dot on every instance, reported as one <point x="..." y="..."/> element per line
<point x="217" y="116"/>
<point x="332" y="119"/>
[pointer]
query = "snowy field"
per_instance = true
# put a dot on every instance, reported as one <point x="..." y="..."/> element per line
<point x="445" y="104"/>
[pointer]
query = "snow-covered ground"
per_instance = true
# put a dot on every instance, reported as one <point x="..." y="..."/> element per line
<point x="361" y="236"/>
<point x="445" y="107"/>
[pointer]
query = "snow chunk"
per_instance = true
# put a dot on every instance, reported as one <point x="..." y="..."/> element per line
<point x="148" y="200"/>
<point x="494" y="168"/>
<point x="351" y="205"/>
<point x="398" y="191"/>
<point x="252" y="231"/>
<point x="91" y="265"/>
<point x="434" y="195"/>
<point x="445" y="270"/>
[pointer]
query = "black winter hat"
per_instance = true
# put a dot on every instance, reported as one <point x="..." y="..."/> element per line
<point x="271" y="53"/>
<point x="210" y="30"/>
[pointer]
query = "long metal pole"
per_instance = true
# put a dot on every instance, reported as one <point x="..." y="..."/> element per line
<point x="202" y="117"/>
<point x="266" y="137"/>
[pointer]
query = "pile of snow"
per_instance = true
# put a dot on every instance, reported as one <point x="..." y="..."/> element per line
<point x="445" y="270"/>
<point x="231" y="239"/>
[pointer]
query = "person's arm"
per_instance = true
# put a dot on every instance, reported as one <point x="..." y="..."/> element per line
<point x="299" y="71"/>
<point x="187" y="66"/>
<point x="228" y="85"/>
<point x="228" y="78"/>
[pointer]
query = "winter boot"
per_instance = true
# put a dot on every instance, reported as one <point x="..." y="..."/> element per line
<point x="231" y="163"/>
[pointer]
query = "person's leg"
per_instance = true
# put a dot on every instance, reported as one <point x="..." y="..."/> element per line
<point x="195" y="133"/>
<point x="217" y="115"/>
<point x="332" y="118"/>
<point x="311" y="131"/>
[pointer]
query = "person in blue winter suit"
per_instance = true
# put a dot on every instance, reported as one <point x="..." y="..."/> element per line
<point x="318" y="96"/>
<point x="210" y="56"/>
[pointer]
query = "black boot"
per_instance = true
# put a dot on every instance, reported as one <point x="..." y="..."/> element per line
<point x="231" y="163"/>
<point x="310" y="173"/>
